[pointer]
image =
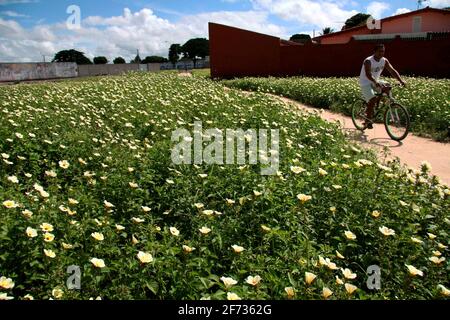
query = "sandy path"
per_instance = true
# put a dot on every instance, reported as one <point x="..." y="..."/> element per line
<point x="411" y="151"/>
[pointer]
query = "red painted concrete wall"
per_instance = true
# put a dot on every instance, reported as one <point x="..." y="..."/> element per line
<point x="237" y="53"/>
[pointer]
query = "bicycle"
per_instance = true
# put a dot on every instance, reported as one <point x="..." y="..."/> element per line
<point x="397" y="120"/>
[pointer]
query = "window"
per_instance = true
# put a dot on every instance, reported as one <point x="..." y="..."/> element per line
<point x="417" y="24"/>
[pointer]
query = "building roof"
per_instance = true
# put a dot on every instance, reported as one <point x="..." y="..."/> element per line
<point x="351" y="30"/>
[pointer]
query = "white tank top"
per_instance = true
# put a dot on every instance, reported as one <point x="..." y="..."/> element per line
<point x="377" y="68"/>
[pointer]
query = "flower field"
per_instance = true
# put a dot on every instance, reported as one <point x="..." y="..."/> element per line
<point x="427" y="100"/>
<point x="87" y="180"/>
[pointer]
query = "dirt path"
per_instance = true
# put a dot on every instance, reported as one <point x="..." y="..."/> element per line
<point x="411" y="152"/>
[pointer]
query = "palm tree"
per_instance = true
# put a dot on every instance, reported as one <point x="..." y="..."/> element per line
<point x="327" y="30"/>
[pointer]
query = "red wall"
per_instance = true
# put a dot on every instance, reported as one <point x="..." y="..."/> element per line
<point x="237" y="53"/>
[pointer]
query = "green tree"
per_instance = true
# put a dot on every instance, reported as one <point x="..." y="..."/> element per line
<point x="154" y="59"/>
<point x="71" y="56"/>
<point x="195" y="49"/>
<point x="119" y="60"/>
<point x="357" y="20"/>
<point x="174" y="53"/>
<point x="300" y="38"/>
<point x="100" y="60"/>
<point x="327" y="30"/>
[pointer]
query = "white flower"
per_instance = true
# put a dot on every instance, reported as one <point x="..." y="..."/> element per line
<point x="254" y="281"/>
<point x="386" y="231"/>
<point x="145" y="257"/>
<point x="98" y="263"/>
<point x="237" y="249"/>
<point x="174" y="231"/>
<point x="228" y="282"/>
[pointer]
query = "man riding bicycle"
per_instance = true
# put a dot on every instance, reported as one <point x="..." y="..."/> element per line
<point x="369" y="81"/>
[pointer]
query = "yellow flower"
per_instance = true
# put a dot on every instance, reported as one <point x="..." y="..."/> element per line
<point x="228" y="282"/>
<point x="339" y="255"/>
<point x="13" y="179"/>
<point x="46" y="227"/>
<point x="4" y="296"/>
<point x="230" y="202"/>
<point x="437" y="260"/>
<point x="6" y="283"/>
<point x="333" y="209"/>
<point x="9" y="204"/>
<point x="444" y="291"/>
<point x="322" y="172"/>
<point x="304" y="198"/>
<point x="326" y="293"/>
<point x="73" y="201"/>
<point x="57" y="293"/>
<point x="350" y="288"/>
<point x="386" y="231"/>
<point x="138" y="220"/>
<point x="51" y="174"/>
<point x="133" y="185"/>
<point x="348" y="274"/>
<point x="441" y="246"/>
<point x="145" y="257"/>
<point x="254" y="281"/>
<point x="290" y="292"/>
<point x="265" y="228"/>
<point x="203" y="176"/>
<point x="416" y="240"/>
<point x="120" y="227"/>
<point x="232" y="296"/>
<point x="98" y="236"/>
<point x="297" y="170"/>
<point x="414" y="271"/>
<point x="50" y="253"/>
<point x="31" y="233"/>
<point x="49" y="237"/>
<point x="310" y="277"/>
<point x="350" y="235"/>
<point x="237" y="249"/>
<point x="108" y="205"/>
<point x="432" y="236"/>
<point x="376" y="214"/>
<point x="67" y="246"/>
<point x="199" y="205"/>
<point x="174" y="231"/>
<point x="188" y="249"/>
<point x="98" y="263"/>
<point x="146" y="209"/>
<point x="28" y="297"/>
<point x="257" y="193"/>
<point x="134" y="240"/>
<point x="64" y="164"/>
<point x="208" y="213"/>
<point x="339" y="281"/>
<point x="205" y="230"/>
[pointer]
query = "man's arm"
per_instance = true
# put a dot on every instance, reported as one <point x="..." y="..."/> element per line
<point x="368" y="68"/>
<point x="394" y="72"/>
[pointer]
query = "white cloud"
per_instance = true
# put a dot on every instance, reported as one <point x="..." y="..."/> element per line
<point x="8" y="2"/>
<point x="121" y="35"/>
<point x="13" y="14"/>
<point x="308" y="13"/>
<point x="401" y="11"/>
<point x="438" y="3"/>
<point x="376" y="9"/>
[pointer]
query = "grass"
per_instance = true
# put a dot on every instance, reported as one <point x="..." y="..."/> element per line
<point x="87" y="180"/>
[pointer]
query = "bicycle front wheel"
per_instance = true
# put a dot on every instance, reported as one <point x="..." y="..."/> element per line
<point x="397" y="122"/>
<point x="359" y="115"/>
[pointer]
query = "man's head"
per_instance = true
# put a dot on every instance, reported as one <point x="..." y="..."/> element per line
<point x="380" y="50"/>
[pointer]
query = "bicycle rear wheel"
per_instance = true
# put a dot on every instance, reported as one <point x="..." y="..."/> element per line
<point x="397" y="122"/>
<point x="359" y="115"/>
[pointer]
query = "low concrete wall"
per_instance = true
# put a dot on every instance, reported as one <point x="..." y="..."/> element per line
<point x="105" y="69"/>
<point x="37" y="71"/>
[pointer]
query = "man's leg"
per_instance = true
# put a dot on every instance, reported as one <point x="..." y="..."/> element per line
<point x="370" y="111"/>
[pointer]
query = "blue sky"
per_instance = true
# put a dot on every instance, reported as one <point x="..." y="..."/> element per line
<point x="32" y="28"/>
